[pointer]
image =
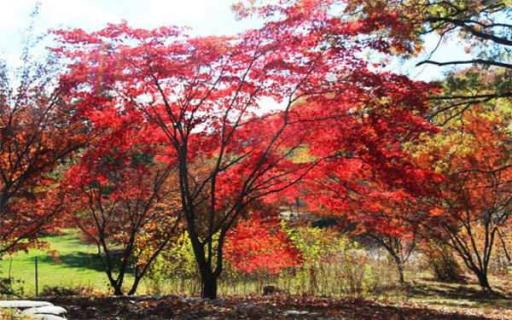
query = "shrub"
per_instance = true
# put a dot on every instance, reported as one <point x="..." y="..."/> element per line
<point x="11" y="287"/>
<point x="328" y="255"/>
<point x="174" y="271"/>
<point x="442" y="262"/>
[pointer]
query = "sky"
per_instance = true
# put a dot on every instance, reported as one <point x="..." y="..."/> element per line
<point x="204" y="17"/>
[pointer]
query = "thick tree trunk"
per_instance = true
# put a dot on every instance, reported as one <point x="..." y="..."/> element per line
<point x="208" y="285"/>
<point x="208" y="276"/>
<point x="118" y="291"/>
<point x="483" y="280"/>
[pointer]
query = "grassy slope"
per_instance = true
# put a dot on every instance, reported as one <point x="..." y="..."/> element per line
<point x="66" y="261"/>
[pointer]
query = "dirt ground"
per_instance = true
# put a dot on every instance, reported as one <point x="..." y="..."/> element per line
<point x="276" y="307"/>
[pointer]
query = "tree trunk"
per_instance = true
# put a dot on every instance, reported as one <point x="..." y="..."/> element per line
<point x="116" y="284"/>
<point x="484" y="281"/>
<point x="135" y="285"/>
<point x="208" y="285"/>
<point x="393" y="246"/>
<point x="400" y="268"/>
<point x="118" y="291"/>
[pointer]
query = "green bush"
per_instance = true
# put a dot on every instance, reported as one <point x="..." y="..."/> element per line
<point x="174" y="271"/>
<point x="442" y="262"/>
<point x="329" y="255"/>
<point x="11" y="287"/>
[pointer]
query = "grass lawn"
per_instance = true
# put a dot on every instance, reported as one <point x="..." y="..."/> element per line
<point x="66" y="262"/>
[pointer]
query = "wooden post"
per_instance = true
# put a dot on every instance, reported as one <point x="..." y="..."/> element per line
<point x="36" y="276"/>
<point x="10" y="269"/>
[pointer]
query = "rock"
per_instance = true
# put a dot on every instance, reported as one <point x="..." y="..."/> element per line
<point x="22" y="304"/>
<point x="295" y="313"/>
<point x="53" y="310"/>
<point x="218" y="302"/>
<point x="38" y="310"/>
<point x="46" y="317"/>
<point x="270" y="290"/>
<point x="190" y="299"/>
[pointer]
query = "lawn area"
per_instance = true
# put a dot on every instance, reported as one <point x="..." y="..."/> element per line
<point x="66" y="261"/>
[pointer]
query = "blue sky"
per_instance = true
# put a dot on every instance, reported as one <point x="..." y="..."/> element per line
<point x="204" y="17"/>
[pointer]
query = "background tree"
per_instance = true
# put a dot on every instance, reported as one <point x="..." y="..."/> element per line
<point x="39" y="131"/>
<point x="474" y="157"/>
<point x="442" y="261"/>
<point x="482" y="26"/>
<point x="388" y="212"/>
<point x="122" y="196"/>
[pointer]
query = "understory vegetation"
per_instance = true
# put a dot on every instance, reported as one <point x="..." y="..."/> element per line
<point x="333" y="266"/>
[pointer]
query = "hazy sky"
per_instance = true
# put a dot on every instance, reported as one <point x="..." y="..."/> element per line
<point x="202" y="16"/>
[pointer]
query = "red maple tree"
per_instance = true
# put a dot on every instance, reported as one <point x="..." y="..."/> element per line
<point x="236" y="110"/>
<point x="120" y="193"/>
<point x="38" y="134"/>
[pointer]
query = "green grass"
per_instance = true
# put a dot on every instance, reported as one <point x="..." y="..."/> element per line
<point x="65" y="262"/>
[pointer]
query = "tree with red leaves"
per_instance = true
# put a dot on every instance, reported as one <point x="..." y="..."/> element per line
<point x="379" y="193"/>
<point x="236" y="110"/>
<point x="120" y="194"/>
<point x="38" y="133"/>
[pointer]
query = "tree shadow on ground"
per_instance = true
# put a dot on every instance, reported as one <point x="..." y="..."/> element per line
<point x="84" y="260"/>
<point x="80" y="260"/>
<point x="452" y="294"/>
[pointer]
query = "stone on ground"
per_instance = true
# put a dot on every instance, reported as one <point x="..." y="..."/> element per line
<point x="37" y="310"/>
<point x="53" y="310"/>
<point x="46" y="317"/>
<point x="22" y="304"/>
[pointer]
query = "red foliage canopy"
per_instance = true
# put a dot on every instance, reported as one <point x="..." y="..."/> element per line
<point x="259" y="245"/>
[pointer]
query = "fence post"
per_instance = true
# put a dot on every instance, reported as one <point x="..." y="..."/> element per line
<point x="36" y="276"/>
